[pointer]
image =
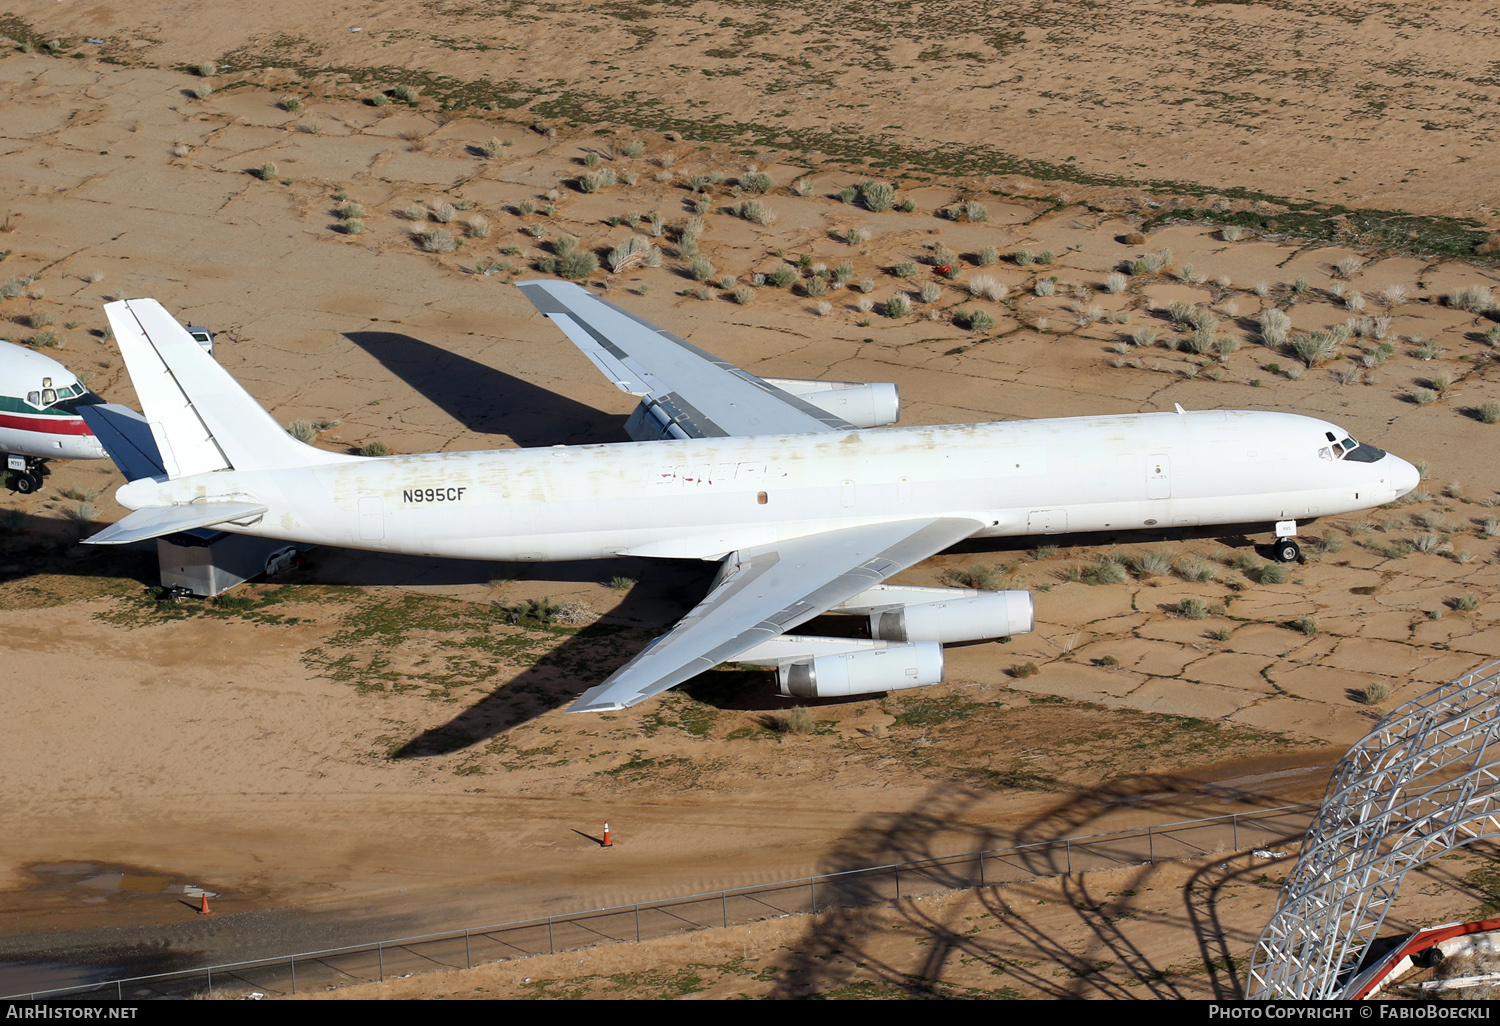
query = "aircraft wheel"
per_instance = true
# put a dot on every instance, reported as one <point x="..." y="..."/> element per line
<point x="25" y="484"/>
<point x="1287" y="550"/>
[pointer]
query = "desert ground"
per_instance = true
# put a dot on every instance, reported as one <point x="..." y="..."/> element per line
<point x="373" y="747"/>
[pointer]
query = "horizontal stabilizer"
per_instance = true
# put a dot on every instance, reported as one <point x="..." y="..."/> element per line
<point x="127" y="438"/>
<point x="156" y="521"/>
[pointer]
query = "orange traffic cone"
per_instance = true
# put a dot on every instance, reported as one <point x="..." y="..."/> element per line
<point x="203" y="908"/>
<point x="608" y="842"/>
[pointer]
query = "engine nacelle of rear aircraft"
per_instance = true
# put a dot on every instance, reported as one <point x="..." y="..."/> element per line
<point x="863" y="673"/>
<point x="996" y="614"/>
<point x="876" y="404"/>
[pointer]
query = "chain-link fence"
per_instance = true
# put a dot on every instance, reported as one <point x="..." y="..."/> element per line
<point x="457" y="949"/>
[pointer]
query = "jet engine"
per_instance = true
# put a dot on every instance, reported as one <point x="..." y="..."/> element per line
<point x="876" y="404"/>
<point x="995" y="614"/>
<point x="863" y="672"/>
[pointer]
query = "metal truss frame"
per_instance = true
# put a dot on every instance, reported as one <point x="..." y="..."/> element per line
<point x="1422" y="783"/>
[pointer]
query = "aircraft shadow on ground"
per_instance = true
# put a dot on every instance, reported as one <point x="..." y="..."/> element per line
<point x="487" y="400"/>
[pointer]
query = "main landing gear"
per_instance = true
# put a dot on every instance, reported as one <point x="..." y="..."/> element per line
<point x="26" y="473"/>
<point x="1287" y="549"/>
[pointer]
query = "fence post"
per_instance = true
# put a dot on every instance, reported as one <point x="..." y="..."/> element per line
<point x="724" y="903"/>
<point x="1150" y="847"/>
<point x="981" y="869"/>
<point x="1069" y="842"/>
<point x="292" y="960"/>
<point x="898" y="883"/>
<point x="812" y="886"/>
<point x="638" y="922"/>
<point x="468" y="955"/>
<point x="210" y="981"/>
<point x="119" y="994"/>
<point x="551" y="944"/>
<point x="380" y="955"/>
<point x="1236" y="819"/>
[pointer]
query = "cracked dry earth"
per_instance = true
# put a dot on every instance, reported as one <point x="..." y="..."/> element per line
<point x="374" y="751"/>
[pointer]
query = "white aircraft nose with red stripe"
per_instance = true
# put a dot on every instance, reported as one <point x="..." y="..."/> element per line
<point x="39" y="400"/>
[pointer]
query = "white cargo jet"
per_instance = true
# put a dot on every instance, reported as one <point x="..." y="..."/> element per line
<point x="809" y="501"/>
<point x="39" y="420"/>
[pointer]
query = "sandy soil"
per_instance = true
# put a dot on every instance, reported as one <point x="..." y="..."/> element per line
<point x="1116" y="935"/>
<point x="370" y="749"/>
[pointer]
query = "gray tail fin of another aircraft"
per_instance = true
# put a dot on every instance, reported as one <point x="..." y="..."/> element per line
<point x="198" y="417"/>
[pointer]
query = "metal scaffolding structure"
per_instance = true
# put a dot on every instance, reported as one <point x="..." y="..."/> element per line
<point x="1422" y="783"/>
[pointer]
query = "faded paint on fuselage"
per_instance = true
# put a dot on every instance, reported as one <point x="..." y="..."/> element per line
<point x="703" y="498"/>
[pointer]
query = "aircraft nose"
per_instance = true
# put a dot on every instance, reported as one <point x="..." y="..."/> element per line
<point x="1404" y="477"/>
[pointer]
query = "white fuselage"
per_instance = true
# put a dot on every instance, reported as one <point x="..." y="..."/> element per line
<point x="703" y="498"/>
<point x="37" y="415"/>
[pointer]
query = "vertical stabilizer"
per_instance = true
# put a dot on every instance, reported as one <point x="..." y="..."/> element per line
<point x="200" y="417"/>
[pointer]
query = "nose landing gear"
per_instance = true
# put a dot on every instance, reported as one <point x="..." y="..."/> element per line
<point x="26" y="473"/>
<point x="1287" y="549"/>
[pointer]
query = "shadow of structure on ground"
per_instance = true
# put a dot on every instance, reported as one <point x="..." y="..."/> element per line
<point x="487" y="400"/>
<point x="1141" y="931"/>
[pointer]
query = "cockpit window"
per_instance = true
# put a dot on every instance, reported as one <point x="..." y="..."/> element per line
<point x="34" y="398"/>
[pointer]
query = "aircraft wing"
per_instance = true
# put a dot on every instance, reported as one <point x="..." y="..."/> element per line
<point x="767" y="591"/>
<point x="691" y="393"/>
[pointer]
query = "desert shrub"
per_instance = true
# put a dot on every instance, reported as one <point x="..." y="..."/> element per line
<point x="1144" y="336"/>
<point x="1045" y="286"/>
<point x="302" y="430"/>
<point x="1375" y="693"/>
<point x="989" y="288"/>
<point x="1465" y="603"/>
<point x="267" y="171"/>
<point x="803" y="187"/>
<point x="930" y="292"/>
<point x="848" y="194"/>
<point x="977" y="320"/>
<point x="208" y="69"/>
<point x="815" y="287"/>
<point x="374" y="449"/>
<point x="578" y="264"/>
<point x="905" y="268"/>
<point x="444" y="213"/>
<point x="1489" y="412"/>
<point x="1195" y="570"/>
<point x="1192" y="608"/>
<point x="1231" y="232"/>
<point x="1308" y="625"/>
<point x="1472" y="298"/>
<point x="797" y="720"/>
<point x="597" y="181"/>
<point x="1151" y="564"/>
<point x="757" y="181"/>
<point x="744" y="294"/>
<point x="291" y="104"/>
<point x="633" y="148"/>
<point x="1023" y="670"/>
<point x="629" y="253"/>
<point x="784" y="277"/>
<point x="878" y="196"/>
<point x="1107" y="569"/>
<point x="1273" y="573"/>
<point x="700" y="269"/>
<point x="976" y="576"/>
<point x="1315" y="347"/>
<point x="898" y="306"/>
<point x="406" y="93"/>
<point x="1115" y="282"/>
<point x="988" y="257"/>
<point x="435" y="240"/>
